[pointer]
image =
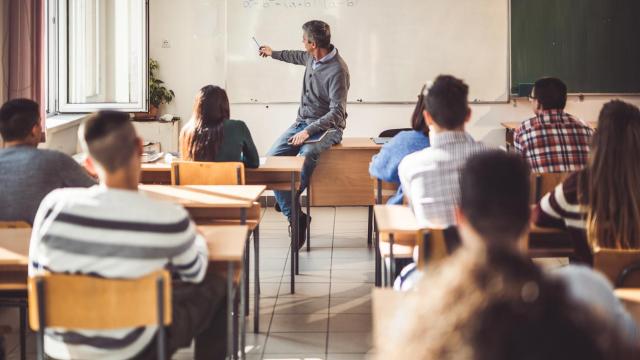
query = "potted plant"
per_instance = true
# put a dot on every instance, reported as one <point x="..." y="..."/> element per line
<point x="158" y="92"/>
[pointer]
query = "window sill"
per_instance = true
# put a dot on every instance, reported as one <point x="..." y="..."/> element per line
<point x="60" y="122"/>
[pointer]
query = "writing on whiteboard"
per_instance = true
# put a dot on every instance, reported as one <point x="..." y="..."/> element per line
<point x="322" y="4"/>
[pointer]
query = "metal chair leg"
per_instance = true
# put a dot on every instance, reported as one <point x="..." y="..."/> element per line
<point x="256" y="280"/>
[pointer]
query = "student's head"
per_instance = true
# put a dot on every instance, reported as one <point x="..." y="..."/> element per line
<point x="316" y="34"/>
<point x="201" y="138"/>
<point x="496" y="305"/>
<point x="613" y="184"/>
<point x="549" y="94"/>
<point x="446" y="106"/>
<point x="418" y="122"/>
<point x="494" y="199"/>
<point x="20" y="122"/>
<point x="113" y="148"/>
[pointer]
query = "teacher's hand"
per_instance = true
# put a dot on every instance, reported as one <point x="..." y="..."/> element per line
<point x="265" y="51"/>
<point x="299" y="138"/>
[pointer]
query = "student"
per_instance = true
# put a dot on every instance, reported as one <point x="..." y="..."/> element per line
<point x="553" y="140"/>
<point x="489" y="301"/>
<point x="429" y="177"/>
<point x="211" y="136"/>
<point x="113" y="231"/>
<point x="600" y="205"/>
<point x="384" y="165"/>
<point x="27" y="173"/>
<point x="323" y="107"/>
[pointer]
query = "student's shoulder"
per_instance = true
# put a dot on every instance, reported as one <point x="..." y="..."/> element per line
<point x="236" y="125"/>
<point x="160" y="210"/>
<point x="414" y="159"/>
<point x="55" y="158"/>
<point x="63" y="197"/>
<point x="528" y="124"/>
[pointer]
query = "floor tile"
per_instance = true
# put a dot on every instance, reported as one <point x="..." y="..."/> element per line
<point x="298" y="323"/>
<point x="305" y="289"/>
<point x="353" y="253"/>
<point x="360" y="305"/>
<point x="350" y="290"/>
<point x="292" y="305"/>
<point x="314" y="276"/>
<point x="350" y="323"/>
<point x="296" y="343"/>
<point x="349" y="343"/>
<point x="295" y="357"/>
<point x="357" y="275"/>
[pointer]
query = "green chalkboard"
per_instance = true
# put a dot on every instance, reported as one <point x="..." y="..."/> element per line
<point x="593" y="45"/>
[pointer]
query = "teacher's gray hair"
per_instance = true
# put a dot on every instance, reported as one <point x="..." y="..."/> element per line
<point x="318" y="32"/>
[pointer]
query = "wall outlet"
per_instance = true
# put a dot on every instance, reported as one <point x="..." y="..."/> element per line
<point x="165" y="44"/>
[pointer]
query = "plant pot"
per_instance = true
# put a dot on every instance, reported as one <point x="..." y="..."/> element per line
<point x="153" y="110"/>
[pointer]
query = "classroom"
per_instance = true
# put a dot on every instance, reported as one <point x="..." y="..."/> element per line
<point x="319" y="179"/>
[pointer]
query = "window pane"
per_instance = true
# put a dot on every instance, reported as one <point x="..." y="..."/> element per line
<point x="105" y="51"/>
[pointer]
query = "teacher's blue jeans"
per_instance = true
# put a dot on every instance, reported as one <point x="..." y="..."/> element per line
<point x="311" y="152"/>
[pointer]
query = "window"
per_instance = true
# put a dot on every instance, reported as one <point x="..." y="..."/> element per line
<point x="97" y="55"/>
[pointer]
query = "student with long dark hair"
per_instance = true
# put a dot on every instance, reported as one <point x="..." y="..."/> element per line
<point x="384" y="165"/>
<point x="600" y="205"/>
<point x="211" y="135"/>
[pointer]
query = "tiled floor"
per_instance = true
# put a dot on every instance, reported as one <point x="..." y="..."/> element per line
<point x="329" y="316"/>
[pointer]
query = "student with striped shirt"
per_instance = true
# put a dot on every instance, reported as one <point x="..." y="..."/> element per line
<point x="600" y="205"/>
<point x="113" y="231"/>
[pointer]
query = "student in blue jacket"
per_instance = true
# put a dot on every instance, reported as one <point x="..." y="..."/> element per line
<point x="384" y="166"/>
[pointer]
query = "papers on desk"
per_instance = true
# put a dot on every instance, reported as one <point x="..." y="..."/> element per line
<point x="263" y="160"/>
<point x="151" y="156"/>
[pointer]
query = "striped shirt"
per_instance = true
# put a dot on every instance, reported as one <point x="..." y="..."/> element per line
<point x="561" y="208"/>
<point x="111" y="233"/>
<point x="553" y="141"/>
<point x="429" y="177"/>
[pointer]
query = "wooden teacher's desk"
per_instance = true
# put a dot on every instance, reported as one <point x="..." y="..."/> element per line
<point x="341" y="177"/>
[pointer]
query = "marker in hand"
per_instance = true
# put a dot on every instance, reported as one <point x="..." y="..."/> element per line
<point x="256" y="41"/>
<point x="264" y="50"/>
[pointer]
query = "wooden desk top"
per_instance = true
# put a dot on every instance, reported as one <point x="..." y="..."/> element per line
<point x="356" y="143"/>
<point x="225" y="242"/>
<point x="206" y="196"/>
<point x="395" y="219"/>
<point x="14" y="247"/>
<point x="512" y="125"/>
<point x="271" y="164"/>
<point x="631" y="295"/>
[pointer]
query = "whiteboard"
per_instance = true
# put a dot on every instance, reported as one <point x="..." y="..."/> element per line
<point x="392" y="47"/>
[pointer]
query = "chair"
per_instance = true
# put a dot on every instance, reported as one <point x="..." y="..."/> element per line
<point x="207" y="173"/>
<point x="621" y="267"/>
<point x="541" y="184"/>
<point x="85" y="302"/>
<point x="14" y="237"/>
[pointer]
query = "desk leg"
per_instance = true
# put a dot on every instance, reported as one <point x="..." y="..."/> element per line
<point x="244" y="304"/>
<point x="23" y="330"/>
<point x="294" y="231"/>
<point x="378" y="266"/>
<point x="256" y="280"/>
<point x="370" y="225"/>
<point x="309" y="217"/>
<point x="392" y="261"/>
<point x="230" y="299"/>
<point x="245" y="273"/>
<point x="299" y="212"/>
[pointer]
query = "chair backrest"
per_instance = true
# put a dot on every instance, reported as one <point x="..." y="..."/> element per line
<point x="621" y="267"/>
<point x="385" y="189"/>
<point x="207" y="173"/>
<point x="14" y="225"/>
<point x="436" y="244"/>
<point x="86" y="302"/>
<point x="541" y="184"/>
<point x="392" y="132"/>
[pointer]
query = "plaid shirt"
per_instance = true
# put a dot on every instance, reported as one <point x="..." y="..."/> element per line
<point x="553" y="141"/>
<point x="430" y="177"/>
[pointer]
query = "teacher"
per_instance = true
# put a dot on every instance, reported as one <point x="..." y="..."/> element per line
<point x="322" y="107"/>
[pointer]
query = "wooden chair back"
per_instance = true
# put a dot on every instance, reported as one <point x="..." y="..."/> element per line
<point x="432" y="247"/>
<point x="14" y="225"/>
<point x="383" y="191"/>
<point x="86" y="302"/>
<point x="621" y="267"/>
<point x="207" y="173"/>
<point x="541" y="184"/>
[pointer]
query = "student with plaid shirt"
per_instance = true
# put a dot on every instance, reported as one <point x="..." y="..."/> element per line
<point x="552" y="141"/>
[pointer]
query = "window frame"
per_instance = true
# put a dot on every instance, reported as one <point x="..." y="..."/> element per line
<point x="58" y="61"/>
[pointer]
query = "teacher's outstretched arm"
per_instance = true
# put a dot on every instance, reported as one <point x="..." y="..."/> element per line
<point x="290" y="56"/>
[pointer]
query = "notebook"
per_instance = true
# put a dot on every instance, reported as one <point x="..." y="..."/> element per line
<point x="381" y="140"/>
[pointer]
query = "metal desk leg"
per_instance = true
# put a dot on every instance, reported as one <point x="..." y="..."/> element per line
<point x="294" y="232"/>
<point x="230" y="299"/>
<point x="244" y="304"/>
<point x="309" y="217"/>
<point x="370" y="225"/>
<point x="256" y="280"/>
<point x="392" y="261"/>
<point x="245" y="274"/>
<point x="23" y="330"/>
<point x="378" y="265"/>
<point x="299" y="212"/>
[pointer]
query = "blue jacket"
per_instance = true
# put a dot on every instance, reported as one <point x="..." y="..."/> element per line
<point x="384" y="166"/>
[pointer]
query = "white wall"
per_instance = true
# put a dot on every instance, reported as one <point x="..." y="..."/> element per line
<point x="196" y="58"/>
